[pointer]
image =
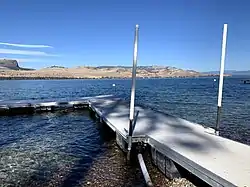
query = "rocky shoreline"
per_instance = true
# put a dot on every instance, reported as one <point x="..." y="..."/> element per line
<point x="119" y="173"/>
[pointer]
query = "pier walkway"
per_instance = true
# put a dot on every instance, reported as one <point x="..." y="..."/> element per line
<point x="214" y="159"/>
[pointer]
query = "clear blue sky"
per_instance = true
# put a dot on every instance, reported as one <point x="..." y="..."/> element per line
<point x="182" y="33"/>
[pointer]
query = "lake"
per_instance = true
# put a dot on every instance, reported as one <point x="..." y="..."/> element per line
<point x="55" y="142"/>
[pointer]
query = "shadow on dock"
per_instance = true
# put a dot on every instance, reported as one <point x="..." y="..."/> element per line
<point x="175" y="125"/>
<point x="81" y="174"/>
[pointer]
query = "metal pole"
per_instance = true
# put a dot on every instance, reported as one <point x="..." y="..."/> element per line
<point x="222" y="67"/>
<point x="132" y="99"/>
<point x="144" y="171"/>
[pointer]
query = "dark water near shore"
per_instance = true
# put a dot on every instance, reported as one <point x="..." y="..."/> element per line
<point x="35" y="148"/>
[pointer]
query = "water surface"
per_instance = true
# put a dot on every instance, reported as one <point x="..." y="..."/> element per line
<point x="35" y="149"/>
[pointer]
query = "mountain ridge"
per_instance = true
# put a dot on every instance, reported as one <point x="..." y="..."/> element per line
<point x="14" y="71"/>
<point x="11" y="64"/>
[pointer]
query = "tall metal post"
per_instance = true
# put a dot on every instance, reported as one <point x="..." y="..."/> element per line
<point x="222" y="67"/>
<point x="132" y="99"/>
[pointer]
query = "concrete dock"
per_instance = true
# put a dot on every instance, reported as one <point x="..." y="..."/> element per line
<point x="216" y="160"/>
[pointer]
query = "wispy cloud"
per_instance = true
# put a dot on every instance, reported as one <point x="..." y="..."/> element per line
<point x="24" y="52"/>
<point x="26" y="59"/>
<point x="25" y="45"/>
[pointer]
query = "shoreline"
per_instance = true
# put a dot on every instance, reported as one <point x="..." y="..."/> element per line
<point x="103" y="78"/>
<point x="100" y="73"/>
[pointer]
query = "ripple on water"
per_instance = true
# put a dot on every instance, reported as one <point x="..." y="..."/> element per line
<point x="34" y="148"/>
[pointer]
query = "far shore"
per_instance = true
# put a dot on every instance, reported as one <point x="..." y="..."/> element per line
<point x="98" y="73"/>
<point x="93" y="78"/>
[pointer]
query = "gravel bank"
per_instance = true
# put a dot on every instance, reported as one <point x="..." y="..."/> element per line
<point x="110" y="169"/>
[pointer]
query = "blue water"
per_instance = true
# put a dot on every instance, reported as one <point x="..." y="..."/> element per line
<point x="56" y="142"/>
<point x="36" y="148"/>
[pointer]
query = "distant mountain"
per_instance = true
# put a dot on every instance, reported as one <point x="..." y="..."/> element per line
<point x="8" y="64"/>
<point x="231" y="72"/>
<point x="140" y="67"/>
<point x="56" y="67"/>
<point x="80" y="72"/>
<point x="58" y="72"/>
<point x="234" y="72"/>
